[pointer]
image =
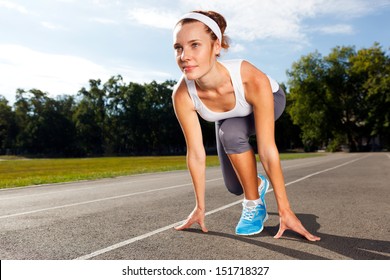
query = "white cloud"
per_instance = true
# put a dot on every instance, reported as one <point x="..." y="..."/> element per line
<point x="335" y="29"/>
<point x="153" y="17"/>
<point x="14" y="6"/>
<point x="105" y="3"/>
<point x="251" y="19"/>
<point x="59" y="74"/>
<point x="105" y="21"/>
<point x="349" y="8"/>
<point x="135" y="74"/>
<point x="236" y="48"/>
<point x="52" y="26"/>
<point x="66" y="1"/>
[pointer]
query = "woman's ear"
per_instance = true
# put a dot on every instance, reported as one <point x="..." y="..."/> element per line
<point x="217" y="47"/>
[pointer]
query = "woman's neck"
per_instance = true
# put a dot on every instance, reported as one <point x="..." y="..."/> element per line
<point x="214" y="79"/>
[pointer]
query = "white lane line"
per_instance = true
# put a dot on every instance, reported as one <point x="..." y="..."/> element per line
<point x="326" y="170"/>
<point x="375" y="252"/>
<point x="146" y="235"/>
<point x="127" y="183"/>
<point x="98" y="200"/>
<point x="162" y="229"/>
<point x="311" y="163"/>
<point x="127" y="242"/>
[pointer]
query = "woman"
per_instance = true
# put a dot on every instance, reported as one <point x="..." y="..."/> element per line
<point x="242" y="101"/>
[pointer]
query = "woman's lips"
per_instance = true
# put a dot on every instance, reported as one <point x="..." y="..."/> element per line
<point x="188" y="68"/>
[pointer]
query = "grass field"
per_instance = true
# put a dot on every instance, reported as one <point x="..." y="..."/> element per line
<point x="17" y="172"/>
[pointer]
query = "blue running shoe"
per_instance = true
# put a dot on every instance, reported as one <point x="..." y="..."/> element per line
<point x="252" y="219"/>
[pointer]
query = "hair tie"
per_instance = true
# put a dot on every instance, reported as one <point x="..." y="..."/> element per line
<point x="209" y="22"/>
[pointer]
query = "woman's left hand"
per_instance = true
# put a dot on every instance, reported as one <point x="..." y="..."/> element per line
<point x="290" y="221"/>
<point x="196" y="216"/>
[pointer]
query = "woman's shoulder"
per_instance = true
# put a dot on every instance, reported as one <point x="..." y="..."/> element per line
<point x="250" y="73"/>
<point x="240" y="66"/>
<point x="180" y="87"/>
<point x="180" y="94"/>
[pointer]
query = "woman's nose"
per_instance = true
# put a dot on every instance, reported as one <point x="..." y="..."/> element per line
<point x="184" y="55"/>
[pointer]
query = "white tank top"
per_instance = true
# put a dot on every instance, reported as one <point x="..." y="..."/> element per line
<point x="241" y="109"/>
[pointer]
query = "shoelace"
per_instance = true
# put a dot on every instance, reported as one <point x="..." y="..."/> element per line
<point x="249" y="212"/>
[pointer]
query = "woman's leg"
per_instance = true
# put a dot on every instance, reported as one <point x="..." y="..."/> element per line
<point x="229" y="175"/>
<point x="236" y="155"/>
<point x="246" y="168"/>
<point x="234" y="135"/>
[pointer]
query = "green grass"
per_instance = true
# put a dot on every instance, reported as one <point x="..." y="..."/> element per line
<point x="17" y="172"/>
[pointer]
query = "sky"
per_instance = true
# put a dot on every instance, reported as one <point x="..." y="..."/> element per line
<point x="57" y="46"/>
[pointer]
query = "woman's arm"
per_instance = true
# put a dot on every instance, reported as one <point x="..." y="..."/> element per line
<point x="196" y="156"/>
<point x="259" y="94"/>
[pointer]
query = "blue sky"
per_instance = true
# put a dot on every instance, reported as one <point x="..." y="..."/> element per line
<point x="58" y="45"/>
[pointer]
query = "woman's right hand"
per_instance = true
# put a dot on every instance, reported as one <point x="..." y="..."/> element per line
<point x="196" y="216"/>
<point x="289" y="221"/>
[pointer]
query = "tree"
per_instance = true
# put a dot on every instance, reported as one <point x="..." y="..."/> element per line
<point x="307" y="95"/>
<point x="7" y="126"/>
<point x="160" y="118"/>
<point x="341" y="98"/>
<point x="44" y="124"/>
<point x="29" y="110"/>
<point x="141" y="117"/>
<point x="125" y="121"/>
<point x="90" y="118"/>
<point x="371" y="71"/>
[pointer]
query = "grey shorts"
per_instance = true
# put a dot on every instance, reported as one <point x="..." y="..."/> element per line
<point x="232" y="137"/>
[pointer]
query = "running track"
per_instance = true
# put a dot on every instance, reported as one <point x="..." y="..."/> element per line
<point x="344" y="198"/>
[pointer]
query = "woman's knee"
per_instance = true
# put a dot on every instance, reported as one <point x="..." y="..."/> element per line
<point x="233" y="139"/>
<point x="234" y="188"/>
<point x="279" y="103"/>
<point x="236" y="192"/>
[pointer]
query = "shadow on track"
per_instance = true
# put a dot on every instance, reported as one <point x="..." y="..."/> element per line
<point x="350" y="247"/>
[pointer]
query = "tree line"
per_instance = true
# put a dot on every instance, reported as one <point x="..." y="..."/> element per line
<point x="111" y="118"/>
<point x="342" y="98"/>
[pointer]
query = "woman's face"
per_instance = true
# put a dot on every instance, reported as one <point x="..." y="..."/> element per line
<point x="195" y="52"/>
